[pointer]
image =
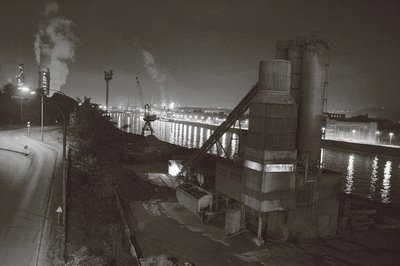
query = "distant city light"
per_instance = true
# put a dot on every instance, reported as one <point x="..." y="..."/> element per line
<point x="171" y="106"/>
<point x="390" y="137"/>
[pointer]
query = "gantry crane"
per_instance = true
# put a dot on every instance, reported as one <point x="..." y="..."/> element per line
<point x="147" y="118"/>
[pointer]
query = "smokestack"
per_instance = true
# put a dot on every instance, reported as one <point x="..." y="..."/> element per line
<point x="54" y="46"/>
<point x="44" y="81"/>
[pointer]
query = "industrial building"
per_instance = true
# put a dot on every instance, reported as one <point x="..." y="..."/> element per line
<point x="355" y="131"/>
<point x="277" y="187"/>
<point x="282" y="190"/>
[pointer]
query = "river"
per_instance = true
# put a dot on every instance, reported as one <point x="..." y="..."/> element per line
<point x="368" y="175"/>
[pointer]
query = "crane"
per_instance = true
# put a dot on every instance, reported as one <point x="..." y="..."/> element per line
<point x="148" y="118"/>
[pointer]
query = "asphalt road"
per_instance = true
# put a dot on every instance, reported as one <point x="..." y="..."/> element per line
<point x="30" y="188"/>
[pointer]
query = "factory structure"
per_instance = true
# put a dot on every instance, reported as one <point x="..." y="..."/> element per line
<point x="44" y="81"/>
<point x="277" y="188"/>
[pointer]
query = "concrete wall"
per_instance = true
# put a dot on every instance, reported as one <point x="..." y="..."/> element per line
<point x="194" y="204"/>
<point x="187" y="201"/>
<point x="229" y="179"/>
<point x="363" y="147"/>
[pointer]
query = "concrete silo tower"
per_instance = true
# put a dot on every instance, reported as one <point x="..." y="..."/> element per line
<point x="309" y="57"/>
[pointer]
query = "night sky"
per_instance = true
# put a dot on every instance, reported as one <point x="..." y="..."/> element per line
<point x="203" y="53"/>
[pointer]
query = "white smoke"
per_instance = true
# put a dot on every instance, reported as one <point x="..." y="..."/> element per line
<point x="55" y="46"/>
<point x="155" y="73"/>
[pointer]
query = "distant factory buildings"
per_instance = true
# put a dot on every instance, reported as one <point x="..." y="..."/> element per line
<point x="342" y="129"/>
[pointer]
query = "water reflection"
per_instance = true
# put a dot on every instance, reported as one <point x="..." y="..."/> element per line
<point x="195" y="143"/>
<point x="350" y="175"/>
<point x="374" y="177"/>
<point x="385" y="191"/>
<point x="370" y="176"/>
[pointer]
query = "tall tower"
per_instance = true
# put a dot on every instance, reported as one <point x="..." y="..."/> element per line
<point x="269" y="171"/>
<point x="309" y="57"/>
<point x="44" y="81"/>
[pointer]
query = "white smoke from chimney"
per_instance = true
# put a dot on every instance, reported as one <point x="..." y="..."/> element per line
<point x="55" y="46"/>
<point x="155" y="73"/>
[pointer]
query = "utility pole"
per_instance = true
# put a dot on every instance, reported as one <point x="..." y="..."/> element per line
<point x="107" y="76"/>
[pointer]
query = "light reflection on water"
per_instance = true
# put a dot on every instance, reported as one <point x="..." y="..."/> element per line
<point x="350" y="175"/>
<point x="385" y="191"/>
<point x="374" y="177"/>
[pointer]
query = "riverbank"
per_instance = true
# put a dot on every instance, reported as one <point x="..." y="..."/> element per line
<point x="160" y="229"/>
<point x="164" y="229"/>
<point x="392" y="151"/>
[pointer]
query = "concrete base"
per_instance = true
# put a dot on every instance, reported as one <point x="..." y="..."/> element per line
<point x="259" y="241"/>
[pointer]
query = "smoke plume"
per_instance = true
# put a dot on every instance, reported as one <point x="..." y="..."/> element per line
<point x="155" y="73"/>
<point x="55" y="45"/>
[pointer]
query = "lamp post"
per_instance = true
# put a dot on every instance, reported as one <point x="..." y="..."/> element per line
<point x="63" y="116"/>
<point x="21" y="98"/>
<point x="390" y="138"/>
<point x="353" y="131"/>
<point x="107" y="76"/>
<point x="377" y="133"/>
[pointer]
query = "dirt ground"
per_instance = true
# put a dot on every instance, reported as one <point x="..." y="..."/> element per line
<point x="160" y="231"/>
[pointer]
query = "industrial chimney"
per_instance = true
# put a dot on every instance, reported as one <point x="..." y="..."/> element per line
<point x="44" y="81"/>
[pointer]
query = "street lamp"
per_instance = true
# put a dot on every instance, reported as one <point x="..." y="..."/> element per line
<point x="377" y="134"/>
<point x="390" y="138"/>
<point x="107" y="76"/>
<point x="63" y="116"/>
<point x="353" y="131"/>
<point x="14" y="97"/>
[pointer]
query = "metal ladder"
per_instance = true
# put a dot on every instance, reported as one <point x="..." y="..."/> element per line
<point x="234" y="115"/>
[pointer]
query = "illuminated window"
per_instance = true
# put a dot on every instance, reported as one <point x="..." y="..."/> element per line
<point x="270" y="168"/>
<point x="253" y="165"/>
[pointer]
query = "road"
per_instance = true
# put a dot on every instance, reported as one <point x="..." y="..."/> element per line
<point x="30" y="191"/>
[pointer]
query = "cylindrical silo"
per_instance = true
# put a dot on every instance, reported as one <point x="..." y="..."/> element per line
<point x="270" y="154"/>
<point x="311" y="106"/>
<point x="295" y="55"/>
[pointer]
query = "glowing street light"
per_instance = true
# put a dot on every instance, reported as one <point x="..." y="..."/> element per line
<point x="390" y="138"/>
<point x="377" y="134"/>
<point x="22" y="90"/>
